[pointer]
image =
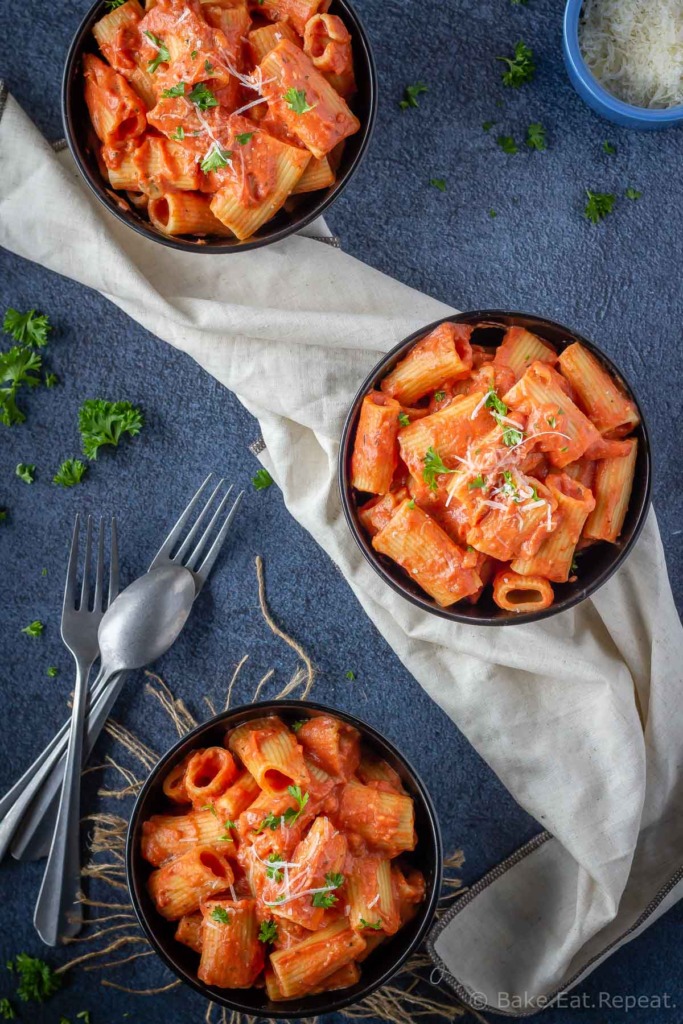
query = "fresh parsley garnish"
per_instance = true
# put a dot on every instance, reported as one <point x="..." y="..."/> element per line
<point x="520" y="68"/>
<point x="243" y="138"/>
<point x="609" y="148"/>
<point x="211" y="808"/>
<point x="267" y="931"/>
<point x="215" y="159"/>
<point x="552" y="422"/>
<point x="35" y="628"/>
<point x="488" y="125"/>
<point x="30" y="328"/>
<point x="439" y="396"/>
<point x="477" y="483"/>
<point x="404" y="419"/>
<point x="297" y="725"/>
<point x="271" y="821"/>
<point x="261" y="480"/>
<point x="84" y="1015"/>
<point x="193" y="55"/>
<point x="3" y="515"/>
<point x="291" y="814"/>
<point x="512" y="436"/>
<point x="574" y="566"/>
<point x="327" y="899"/>
<point x="226" y="837"/>
<point x="113" y="4"/>
<point x="411" y="503"/>
<point x="433" y="465"/>
<point x="535" y="137"/>
<point x="202" y="96"/>
<point x="220" y="915"/>
<point x="70" y="472"/>
<point x="26" y="472"/>
<point x="507" y="144"/>
<point x="534" y="494"/>
<point x="37" y="980"/>
<point x="599" y="205"/>
<point x="350" y="675"/>
<point x="208" y="66"/>
<point x="296" y="101"/>
<point x="334" y="879"/>
<point x="101" y="423"/>
<point x="7" y="1010"/>
<point x="495" y="403"/>
<point x="162" y="57"/>
<point x="376" y="925"/>
<point x="410" y="94"/>
<point x="632" y="193"/>
<point x="174" y="90"/>
<point x="271" y="871"/>
<point x="179" y="133"/>
<point x="52" y="671"/>
<point x="439" y="183"/>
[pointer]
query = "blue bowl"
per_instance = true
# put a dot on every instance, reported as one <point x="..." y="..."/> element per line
<point x="595" y="95"/>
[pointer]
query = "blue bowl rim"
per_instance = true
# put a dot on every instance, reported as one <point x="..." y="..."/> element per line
<point x="572" y="50"/>
<point x="309" y="1006"/>
<point x="99" y="188"/>
<point x="394" y="577"/>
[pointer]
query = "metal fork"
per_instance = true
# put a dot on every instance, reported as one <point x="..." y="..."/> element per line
<point x="33" y="835"/>
<point x="58" y="914"/>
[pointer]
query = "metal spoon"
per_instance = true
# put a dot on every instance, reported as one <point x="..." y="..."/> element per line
<point x="140" y="625"/>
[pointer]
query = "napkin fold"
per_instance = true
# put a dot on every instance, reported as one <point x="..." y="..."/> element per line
<point x="292" y="329"/>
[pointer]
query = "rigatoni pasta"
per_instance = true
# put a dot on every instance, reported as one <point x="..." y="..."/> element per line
<point x="241" y="106"/>
<point x="302" y="883"/>
<point x="477" y="467"/>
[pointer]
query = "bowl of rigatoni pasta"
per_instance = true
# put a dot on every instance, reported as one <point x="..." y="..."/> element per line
<point x="495" y="468"/>
<point x="284" y="859"/>
<point x="218" y="125"/>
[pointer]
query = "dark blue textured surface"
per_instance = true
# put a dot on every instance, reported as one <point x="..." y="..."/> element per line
<point x="617" y="283"/>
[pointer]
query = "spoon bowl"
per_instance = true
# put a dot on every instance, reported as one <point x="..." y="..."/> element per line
<point x="146" y="618"/>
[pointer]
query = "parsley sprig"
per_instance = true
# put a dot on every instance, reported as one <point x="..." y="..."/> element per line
<point x="376" y="925"/>
<point x="162" y="57"/>
<point x="327" y="899"/>
<point x="216" y="158"/>
<point x="291" y="815"/>
<point x="599" y="205"/>
<point x="410" y="94"/>
<point x="26" y="471"/>
<point x="296" y="101"/>
<point x="101" y="423"/>
<point x="267" y="931"/>
<point x="433" y="466"/>
<point x="535" y="137"/>
<point x="70" y="473"/>
<point x="36" y="979"/>
<point x="508" y="144"/>
<point x="20" y="366"/>
<point x="29" y="328"/>
<point x="520" y="68"/>
<point x="262" y="479"/>
<point x="202" y="96"/>
<point x="220" y="915"/>
<point x="34" y="629"/>
<point x="275" y="873"/>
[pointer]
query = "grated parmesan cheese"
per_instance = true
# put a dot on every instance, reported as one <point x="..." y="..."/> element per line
<point x="635" y="49"/>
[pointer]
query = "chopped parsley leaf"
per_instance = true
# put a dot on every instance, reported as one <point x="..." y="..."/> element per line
<point x="433" y="465"/>
<point x="27" y="328"/>
<point x="291" y="814"/>
<point x="494" y="402"/>
<point x="35" y="628"/>
<point x="215" y="159"/>
<point x="477" y="483"/>
<point x="52" y="671"/>
<point x="296" y="101"/>
<point x="70" y="473"/>
<point x="632" y="193"/>
<point x="243" y="138"/>
<point x="520" y="68"/>
<point x="324" y="899"/>
<point x="26" y="471"/>
<point x="202" y="97"/>
<point x="272" y="872"/>
<point x="261" y="480"/>
<point x="376" y="925"/>
<point x="350" y="675"/>
<point x="599" y="205"/>
<point x="404" y="419"/>
<point x="226" y="837"/>
<point x="270" y="821"/>
<point x="113" y="4"/>
<point x="212" y="808"/>
<point x="7" y="1010"/>
<point x="609" y="148"/>
<point x="297" y="725"/>
<point x="208" y="66"/>
<point x="175" y="90"/>
<point x="37" y="980"/>
<point x="162" y="57"/>
<point x="535" y="137"/>
<point x="267" y="931"/>
<point x="511" y="437"/>
<point x="411" y="503"/>
<point x="507" y="144"/>
<point x="410" y="94"/>
<point x="488" y="125"/>
<point x="220" y="915"/>
<point x="439" y="183"/>
<point x="51" y="379"/>
<point x="104" y="423"/>
<point x="439" y="396"/>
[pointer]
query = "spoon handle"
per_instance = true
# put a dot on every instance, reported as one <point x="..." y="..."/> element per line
<point x="58" y="914"/>
<point x="33" y="836"/>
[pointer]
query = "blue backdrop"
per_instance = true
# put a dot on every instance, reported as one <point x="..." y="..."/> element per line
<point x="618" y="282"/>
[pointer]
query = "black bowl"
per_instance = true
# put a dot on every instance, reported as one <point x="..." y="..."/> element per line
<point x="81" y="139"/>
<point x="596" y="564"/>
<point x="380" y="966"/>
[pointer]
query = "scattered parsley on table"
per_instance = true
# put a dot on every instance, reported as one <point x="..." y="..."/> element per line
<point x="488" y="125"/>
<point x="350" y="675"/>
<point x="51" y="379"/>
<point x="7" y="1010"/>
<point x="535" y="137"/>
<point x="507" y="144"/>
<point x="632" y="193"/>
<point x="599" y="205"/>
<point x="492" y="213"/>
<point x="520" y="68"/>
<point x="70" y="473"/>
<point x="410" y="94"/>
<point x="30" y="328"/>
<point x="36" y="979"/>
<point x="52" y="671"/>
<point x="26" y="471"/>
<point x="439" y="183"/>
<point x="262" y="479"/>
<point x="609" y="148"/>
<point x="34" y="629"/>
<point x="104" y="423"/>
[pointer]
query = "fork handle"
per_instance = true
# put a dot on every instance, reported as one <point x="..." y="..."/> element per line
<point x="34" y="835"/>
<point x="58" y="914"/>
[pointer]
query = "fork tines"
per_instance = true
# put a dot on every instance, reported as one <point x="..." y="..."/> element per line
<point x="188" y="552"/>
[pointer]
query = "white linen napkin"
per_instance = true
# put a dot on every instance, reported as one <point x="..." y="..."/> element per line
<point x="292" y="329"/>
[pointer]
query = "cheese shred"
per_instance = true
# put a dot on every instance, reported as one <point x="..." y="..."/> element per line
<point x="635" y="49"/>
